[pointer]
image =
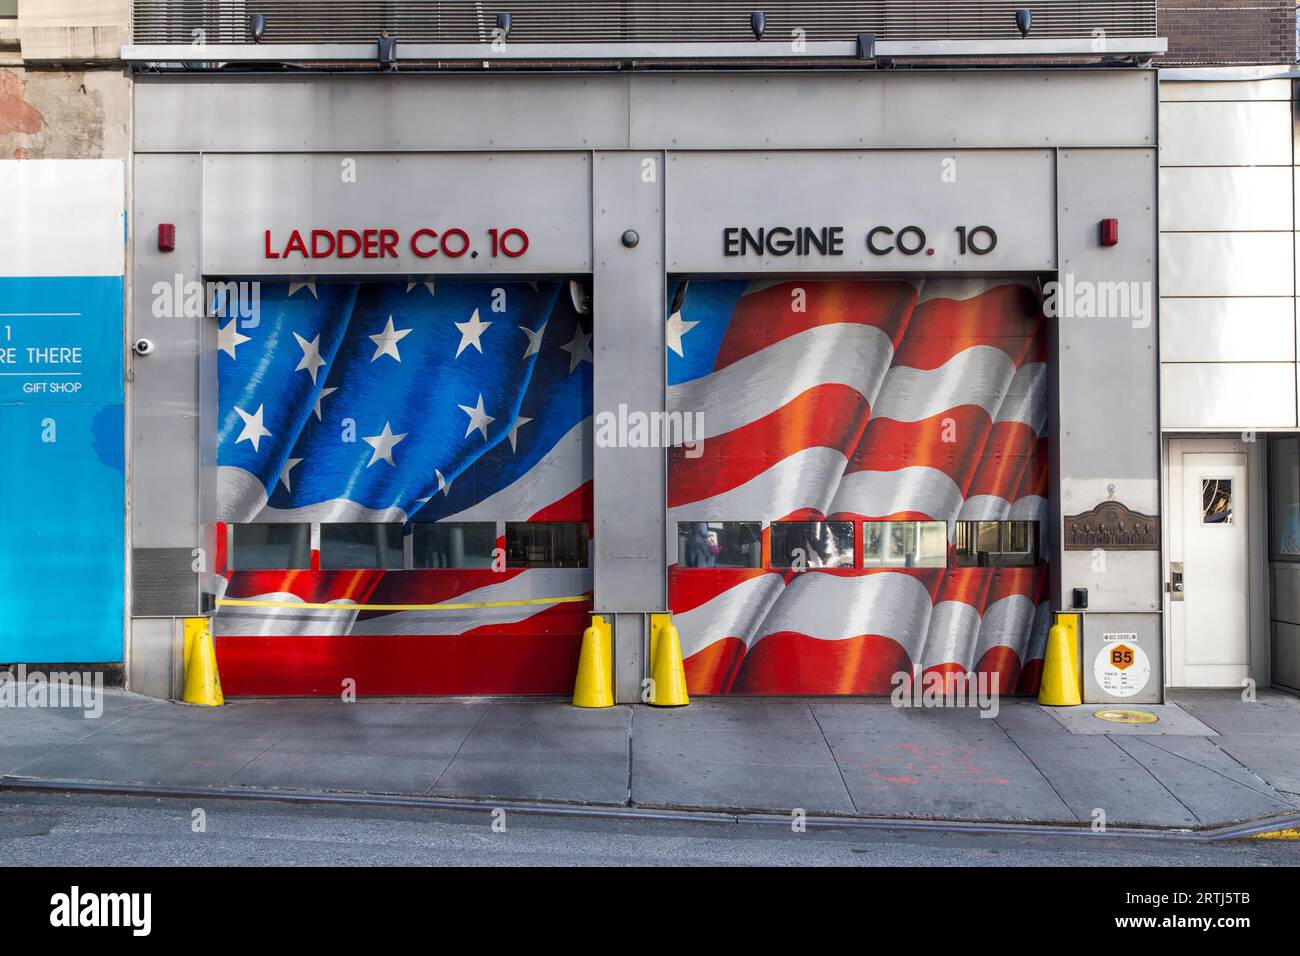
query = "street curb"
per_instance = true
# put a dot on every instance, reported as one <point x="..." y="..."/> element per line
<point x="1284" y="827"/>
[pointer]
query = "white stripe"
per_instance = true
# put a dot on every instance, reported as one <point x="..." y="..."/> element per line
<point x="985" y="508"/>
<point x="1029" y="508"/>
<point x="806" y="479"/>
<point x="282" y="621"/>
<point x="240" y="495"/>
<point x="954" y="628"/>
<point x="736" y="612"/>
<point x="757" y="385"/>
<point x="1007" y="623"/>
<point x="1026" y="398"/>
<point x="525" y="586"/>
<point x="1038" y="634"/>
<point x="560" y="472"/>
<point x="832" y="608"/>
<point x="919" y="488"/>
<point x="958" y="290"/>
<point x="978" y="375"/>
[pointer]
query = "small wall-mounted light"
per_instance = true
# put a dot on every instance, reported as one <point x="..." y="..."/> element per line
<point x="166" y="237"/>
<point x="1024" y="20"/>
<point x="758" y="23"/>
<point x="503" y="23"/>
<point x="387" y="52"/>
<point x="1109" y="232"/>
<point x="630" y="238"/>
<point x="257" y="27"/>
<point x="866" y="46"/>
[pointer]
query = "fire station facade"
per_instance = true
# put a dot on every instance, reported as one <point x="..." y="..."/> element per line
<point x="854" y="373"/>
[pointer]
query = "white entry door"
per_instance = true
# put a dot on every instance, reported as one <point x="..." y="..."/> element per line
<point x="1209" y="557"/>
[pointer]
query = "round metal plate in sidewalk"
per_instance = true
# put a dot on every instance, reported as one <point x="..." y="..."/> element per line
<point x="1126" y="716"/>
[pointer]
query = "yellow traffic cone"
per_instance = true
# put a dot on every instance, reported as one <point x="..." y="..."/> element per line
<point x="202" y="682"/>
<point x="595" y="684"/>
<point x="1060" y="683"/>
<point x="667" y="671"/>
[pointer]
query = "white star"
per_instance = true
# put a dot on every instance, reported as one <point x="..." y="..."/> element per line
<point x="311" y="360"/>
<point x="427" y="285"/>
<point x="288" y="467"/>
<point x="514" y="430"/>
<point x="470" y="333"/>
<point x="324" y="393"/>
<point x="386" y="341"/>
<point x="675" y="330"/>
<point x="383" y="445"/>
<point x="443" y="484"/>
<point x="254" y="430"/>
<point x="579" y="348"/>
<point x="309" y="286"/>
<point x="478" y="419"/>
<point x="534" y="339"/>
<point x="229" y="337"/>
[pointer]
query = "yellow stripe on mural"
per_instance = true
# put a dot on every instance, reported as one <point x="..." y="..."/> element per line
<point x="306" y="606"/>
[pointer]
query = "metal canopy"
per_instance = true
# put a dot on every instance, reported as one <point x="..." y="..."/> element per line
<point x="1039" y="49"/>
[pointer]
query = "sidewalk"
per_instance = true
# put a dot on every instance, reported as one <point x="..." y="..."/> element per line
<point x="1210" y="760"/>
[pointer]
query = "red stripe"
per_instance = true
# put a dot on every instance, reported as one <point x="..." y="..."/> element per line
<point x="765" y="317"/>
<point x="889" y="445"/>
<point x="790" y="663"/>
<point x="689" y="588"/>
<point x="577" y="505"/>
<point x="714" y="669"/>
<point x="1005" y="317"/>
<point x="1007" y="453"/>
<point x="829" y="416"/>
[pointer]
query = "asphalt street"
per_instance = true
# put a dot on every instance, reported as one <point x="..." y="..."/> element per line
<point x="72" y="830"/>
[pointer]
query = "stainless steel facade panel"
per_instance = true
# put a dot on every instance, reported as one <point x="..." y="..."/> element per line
<point x="941" y="110"/>
<point x="1225" y="198"/>
<point x="164" y="403"/>
<point x="629" y="308"/>
<point x="1225" y="134"/>
<point x="1228" y="395"/>
<point x="1172" y="91"/>
<point x="545" y="195"/>
<point x="1242" y="329"/>
<point x="1010" y="192"/>
<point x="1227" y="264"/>
<point x="1104" y="415"/>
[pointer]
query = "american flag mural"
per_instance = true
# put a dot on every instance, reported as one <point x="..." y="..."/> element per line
<point x="405" y="403"/>
<point x="861" y="401"/>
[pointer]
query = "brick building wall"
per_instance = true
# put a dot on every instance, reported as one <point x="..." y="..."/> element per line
<point x="1227" y="32"/>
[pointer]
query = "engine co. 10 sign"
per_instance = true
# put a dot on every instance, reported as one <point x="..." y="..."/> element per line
<point x="829" y="240"/>
<point x="384" y="243"/>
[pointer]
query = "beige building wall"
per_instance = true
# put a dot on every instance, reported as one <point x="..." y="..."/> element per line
<point x="64" y="93"/>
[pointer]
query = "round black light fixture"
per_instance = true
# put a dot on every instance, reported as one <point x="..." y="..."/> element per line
<point x="257" y="27"/>
<point x="630" y="238"/>
<point x="1024" y="20"/>
<point x="758" y="23"/>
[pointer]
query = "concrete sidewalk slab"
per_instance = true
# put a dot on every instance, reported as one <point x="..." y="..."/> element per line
<point x="1217" y="760"/>
<point x="1090" y="774"/>
<point x="1171" y="719"/>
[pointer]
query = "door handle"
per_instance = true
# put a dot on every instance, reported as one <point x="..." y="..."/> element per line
<point x="1175" y="580"/>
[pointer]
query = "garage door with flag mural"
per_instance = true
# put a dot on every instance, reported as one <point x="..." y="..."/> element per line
<point x="869" y="498"/>
<point x="387" y="446"/>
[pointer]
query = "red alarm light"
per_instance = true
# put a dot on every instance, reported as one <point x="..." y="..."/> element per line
<point x="166" y="237"/>
<point x="1109" y="232"/>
